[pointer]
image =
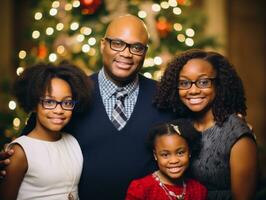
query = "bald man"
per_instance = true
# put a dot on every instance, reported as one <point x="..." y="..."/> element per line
<point x="115" y="153"/>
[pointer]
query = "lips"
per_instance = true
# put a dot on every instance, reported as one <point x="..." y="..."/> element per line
<point x="123" y="64"/>
<point x="57" y="120"/>
<point x="197" y="100"/>
<point x="175" y="169"/>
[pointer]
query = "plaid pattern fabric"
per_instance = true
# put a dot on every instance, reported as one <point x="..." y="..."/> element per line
<point x="119" y="118"/>
<point x="108" y="93"/>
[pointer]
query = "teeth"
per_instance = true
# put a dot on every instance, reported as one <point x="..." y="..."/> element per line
<point x="123" y="65"/>
<point x="175" y="169"/>
<point x="195" y="100"/>
<point x="57" y="121"/>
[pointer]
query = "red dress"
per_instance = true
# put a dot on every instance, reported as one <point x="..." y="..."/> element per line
<point x="148" y="188"/>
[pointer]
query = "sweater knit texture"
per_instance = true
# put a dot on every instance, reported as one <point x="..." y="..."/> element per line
<point x="113" y="158"/>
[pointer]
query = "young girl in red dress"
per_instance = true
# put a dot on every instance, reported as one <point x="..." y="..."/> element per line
<point x="173" y="144"/>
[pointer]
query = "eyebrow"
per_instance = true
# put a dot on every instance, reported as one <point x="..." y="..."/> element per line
<point x="179" y="148"/>
<point x="53" y="97"/>
<point x="201" y="76"/>
<point x="125" y="41"/>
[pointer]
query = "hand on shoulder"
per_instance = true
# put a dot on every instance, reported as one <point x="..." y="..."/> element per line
<point x="4" y="161"/>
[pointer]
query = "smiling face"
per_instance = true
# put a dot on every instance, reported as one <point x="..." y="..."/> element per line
<point x="197" y="99"/>
<point x="53" y="120"/>
<point x="121" y="67"/>
<point x="172" y="155"/>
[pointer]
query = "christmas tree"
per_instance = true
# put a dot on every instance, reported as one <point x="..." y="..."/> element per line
<point x="71" y="30"/>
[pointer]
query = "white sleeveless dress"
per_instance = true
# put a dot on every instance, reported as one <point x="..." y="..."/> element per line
<point x="54" y="168"/>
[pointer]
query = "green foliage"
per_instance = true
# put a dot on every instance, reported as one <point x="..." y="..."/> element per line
<point x="161" y="40"/>
<point x="163" y="25"/>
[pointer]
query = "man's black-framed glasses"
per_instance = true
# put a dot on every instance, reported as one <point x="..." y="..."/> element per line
<point x="51" y="104"/>
<point x="201" y="83"/>
<point x="119" y="45"/>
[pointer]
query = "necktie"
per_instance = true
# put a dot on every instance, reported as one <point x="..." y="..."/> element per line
<point x="119" y="118"/>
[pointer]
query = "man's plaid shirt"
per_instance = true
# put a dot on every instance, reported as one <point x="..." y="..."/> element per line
<point x="108" y="89"/>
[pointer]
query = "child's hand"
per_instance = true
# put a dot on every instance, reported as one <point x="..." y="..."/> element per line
<point x="4" y="161"/>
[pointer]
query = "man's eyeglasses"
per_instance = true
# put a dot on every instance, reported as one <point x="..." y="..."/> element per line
<point x="119" y="45"/>
<point x="51" y="104"/>
<point x="200" y="83"/>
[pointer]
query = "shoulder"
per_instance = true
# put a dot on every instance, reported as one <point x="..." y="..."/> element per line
<point x="69" y="139"/>
<point x="68" y="136"/>
<point x="138" y="188"/>
<point x="94" y="79"/>
<point x="15" y="172"/>
<point x="234" y="122"/>
<point x="18" y="159"/>
<point x="143" y="182"/>
<point x="20" y="143"/>
<point x="147" y="88"/>
<point x="94" y="76"/>
<point x="238" y="129"/>
<point x="144" y="80"/>
<point x="18" y="151"/>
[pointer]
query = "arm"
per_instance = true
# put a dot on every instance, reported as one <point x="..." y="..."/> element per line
<point x="4" y="161"/>
<point x="243" y="165"/>
<point x="15" y="172"/>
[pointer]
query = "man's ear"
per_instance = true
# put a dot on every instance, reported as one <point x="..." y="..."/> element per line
<point x="102" y="44"/>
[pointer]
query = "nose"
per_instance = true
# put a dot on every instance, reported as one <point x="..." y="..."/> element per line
<point x="174" y="159"/>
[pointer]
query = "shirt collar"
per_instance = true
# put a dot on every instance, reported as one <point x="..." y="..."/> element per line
<point x="108" y="88"/>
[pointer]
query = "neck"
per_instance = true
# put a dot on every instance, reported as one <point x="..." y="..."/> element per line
<point x="120" y="82"/>
<point x="170" y="194"/>
<point x="169" y="181"/>
<point x="204" y="121"/>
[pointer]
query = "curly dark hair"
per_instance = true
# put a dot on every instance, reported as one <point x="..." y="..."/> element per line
<point x="34" y="81"/>
<point x="230" y="97"/>
<point x="186" y="129"/>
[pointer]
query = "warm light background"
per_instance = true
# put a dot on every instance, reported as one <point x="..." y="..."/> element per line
<point x="238" y="24"/>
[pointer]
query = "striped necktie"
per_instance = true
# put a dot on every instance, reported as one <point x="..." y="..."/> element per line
<point x="119" y="118"/>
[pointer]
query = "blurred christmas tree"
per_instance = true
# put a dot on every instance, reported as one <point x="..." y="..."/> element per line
<point x="72" y="29"/>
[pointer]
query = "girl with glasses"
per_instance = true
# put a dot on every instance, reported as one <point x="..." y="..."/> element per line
<point x="205" y="88"/>
<point x="47" y="163"/>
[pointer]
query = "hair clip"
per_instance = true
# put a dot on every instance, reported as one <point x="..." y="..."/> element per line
<point x="175" y="127"/>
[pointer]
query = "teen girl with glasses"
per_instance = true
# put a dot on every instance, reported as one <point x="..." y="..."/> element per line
<point x="47" y="163"/>
<point x="205" y="88"/>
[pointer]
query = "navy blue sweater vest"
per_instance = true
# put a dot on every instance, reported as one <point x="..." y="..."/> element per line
<point x="113" y="158"/>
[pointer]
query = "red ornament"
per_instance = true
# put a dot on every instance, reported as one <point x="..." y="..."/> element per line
<point x="163" y="27"/>
<point x="42" y="51"/>
<point x="181" y="2"/>
<point x="90" y="6"/>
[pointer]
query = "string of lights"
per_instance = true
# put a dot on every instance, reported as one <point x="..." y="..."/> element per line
<point x="72" y="29"/>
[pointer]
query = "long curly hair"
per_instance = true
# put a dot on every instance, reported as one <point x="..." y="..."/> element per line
<point x="230" y="96"/>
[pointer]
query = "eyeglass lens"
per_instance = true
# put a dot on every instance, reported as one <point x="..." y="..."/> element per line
<point x="119" y="45"/>
<point x="200" y="83"/>
<point x="51" y="104"/>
